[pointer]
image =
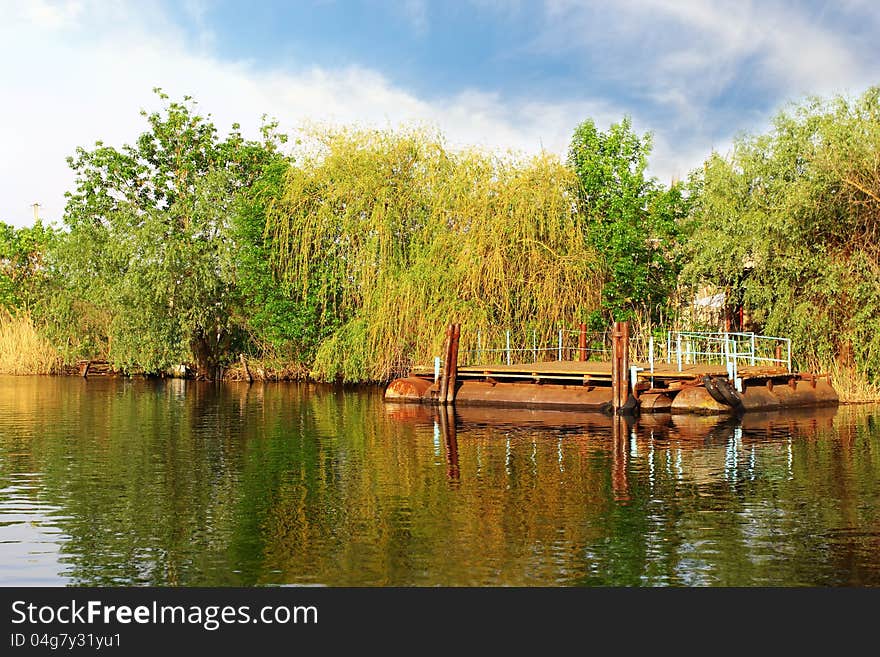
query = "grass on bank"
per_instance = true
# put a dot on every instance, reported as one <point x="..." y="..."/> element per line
<point x="853" y="386"/>
<point x="23" y="350"/>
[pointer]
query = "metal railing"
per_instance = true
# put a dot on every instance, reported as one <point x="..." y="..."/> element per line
<point x="690" y="347"/>
<point x="731" y="349"/>
<point x="680" y="348"/>
<point x="529" y="347"/>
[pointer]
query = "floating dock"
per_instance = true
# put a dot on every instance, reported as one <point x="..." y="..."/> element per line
<point x="740" y="380"/>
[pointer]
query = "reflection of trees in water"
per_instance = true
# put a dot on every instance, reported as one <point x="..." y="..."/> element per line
<point x="150" y="477"/>
<point x="173" y="483"/>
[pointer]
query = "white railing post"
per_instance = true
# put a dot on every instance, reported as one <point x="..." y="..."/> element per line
<point x="678" y="349"/>
<point x="651" y="357"/>
<point x="560" y="345"/>
<point x="733" y="357"/>
<point x="508" y="346"/>
<point x="754" y="355"/>
<point x="634" y="377"/>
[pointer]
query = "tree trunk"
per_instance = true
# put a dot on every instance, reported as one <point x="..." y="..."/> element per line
<point x="206" y="360"/>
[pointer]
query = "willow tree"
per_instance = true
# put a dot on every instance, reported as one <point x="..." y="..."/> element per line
<point x="393" y="235"/>
<point x="149" y="237"/>
<point x="791" y="221"/>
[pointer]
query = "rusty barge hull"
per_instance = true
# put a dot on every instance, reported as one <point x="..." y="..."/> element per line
<point x="588" y="386"/>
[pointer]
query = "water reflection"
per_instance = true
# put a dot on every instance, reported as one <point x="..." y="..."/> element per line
<point x="133" y="482"/>
<point x="627" y="437"/>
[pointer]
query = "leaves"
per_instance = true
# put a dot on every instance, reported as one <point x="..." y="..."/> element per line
<point x="150" y="238"/>
<point x="628" y="218"/>
<point x="388" y="236"/>
<point x="789" y="223"/>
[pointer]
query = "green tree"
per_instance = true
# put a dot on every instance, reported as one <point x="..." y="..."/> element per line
<point x="383" y="237"/>
<point x="790" y="221"/>
<point x="149" y="237"/>
<point x="23" y="270"/>
<point x="282" y="320"/>
<point x="628" y="218"/>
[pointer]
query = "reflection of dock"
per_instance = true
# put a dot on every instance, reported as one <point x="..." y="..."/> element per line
<point x="702" y="448"/>
<point x="733" y="376"/>
<point x="690" y="429"/>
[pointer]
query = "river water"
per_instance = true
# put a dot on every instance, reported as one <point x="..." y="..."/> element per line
<point x="128" y="482"/>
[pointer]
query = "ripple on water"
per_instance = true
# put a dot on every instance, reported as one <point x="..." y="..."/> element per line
<point x="138" y="482"/>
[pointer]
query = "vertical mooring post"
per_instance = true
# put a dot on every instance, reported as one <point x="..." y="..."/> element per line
<point x="619" y="365"/>
<point x="453" y="363"/>
<point x="582" y="343"/>
<point x="444" y="375"/>
<point x="624" y="346"/>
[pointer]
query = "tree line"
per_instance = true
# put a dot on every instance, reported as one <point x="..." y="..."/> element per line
<point x="343" y="255"/>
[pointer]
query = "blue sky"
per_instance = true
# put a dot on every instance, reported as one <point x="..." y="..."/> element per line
<point x="498" y="75"/>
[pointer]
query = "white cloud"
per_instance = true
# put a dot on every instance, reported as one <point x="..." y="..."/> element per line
<point x="51" y="15"/>
<point x="695" y="49"/>
<point x="71" y="85"/>
<point x="77" y="71"/>
<point x="795" y="53"/>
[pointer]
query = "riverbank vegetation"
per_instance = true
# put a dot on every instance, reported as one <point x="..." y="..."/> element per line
<point x="344" y="255"/>
<point x="23" y="348"/>
<point x="788" y="225"/>
<point x="388" y="235"/>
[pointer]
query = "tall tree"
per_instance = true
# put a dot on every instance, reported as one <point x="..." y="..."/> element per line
<point x="149" y="236"/>
<point x="23" y="272"/>
<point x="628" y="218"/>
<point x="791" y="220"/>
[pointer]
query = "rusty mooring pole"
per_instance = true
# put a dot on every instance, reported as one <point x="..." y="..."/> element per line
<point x="619" y="365"/>
<point x="453" y="377"/>
<point x="446" y="393"/>
<point x="582" y="343"/>
<point x="444" y="374"/>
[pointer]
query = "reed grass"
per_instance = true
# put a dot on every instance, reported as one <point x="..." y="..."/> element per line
<point x="852" y="384"/>
<point x="23" y="350"/>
